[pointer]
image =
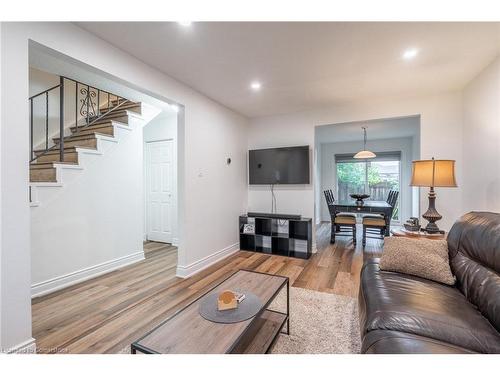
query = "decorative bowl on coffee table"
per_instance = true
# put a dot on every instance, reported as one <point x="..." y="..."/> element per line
<point x="359" y="198"/>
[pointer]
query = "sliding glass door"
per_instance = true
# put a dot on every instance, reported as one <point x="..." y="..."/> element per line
<point x="375" y="177"/>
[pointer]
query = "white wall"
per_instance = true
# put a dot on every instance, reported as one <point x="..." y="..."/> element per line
<point x="162" y="128"/>
<point x="211" y="194"/>
<point x="40" y="81"/>
<point x="93" y="223"/>
<point x="481" y="113"/>
<point x="328" y="169"/>
<point x="440" y="136"/>
<point x="15" y="229"/>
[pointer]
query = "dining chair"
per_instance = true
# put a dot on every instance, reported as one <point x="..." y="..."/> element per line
<point x="342" y="223"/>
<point x="376" y="224"/>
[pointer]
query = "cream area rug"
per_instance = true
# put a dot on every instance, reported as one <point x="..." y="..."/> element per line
<point x="320" y="323"/>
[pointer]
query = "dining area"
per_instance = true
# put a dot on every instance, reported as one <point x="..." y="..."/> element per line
<point x="374" y="216"/>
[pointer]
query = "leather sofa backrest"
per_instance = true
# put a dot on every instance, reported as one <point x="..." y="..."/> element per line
<point x="474" y="250"/>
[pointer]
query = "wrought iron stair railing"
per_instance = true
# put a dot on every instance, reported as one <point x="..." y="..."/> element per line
<point x="90" y="105"/>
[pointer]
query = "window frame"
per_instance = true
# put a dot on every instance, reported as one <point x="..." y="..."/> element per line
<point x="381" y="156"/>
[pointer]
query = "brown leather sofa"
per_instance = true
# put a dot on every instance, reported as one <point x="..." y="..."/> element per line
<point x="401" y="313"/>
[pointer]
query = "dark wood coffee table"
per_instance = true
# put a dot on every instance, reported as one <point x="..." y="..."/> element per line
<point x="188" y="332"/>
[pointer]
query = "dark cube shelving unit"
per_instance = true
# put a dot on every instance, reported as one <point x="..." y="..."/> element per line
<point x="277" y="236"/>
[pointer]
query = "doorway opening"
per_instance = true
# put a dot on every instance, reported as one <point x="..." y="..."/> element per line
<point x="160" y="179"/>
<point x="395" y="141"/>
<point x="96" y="223"/>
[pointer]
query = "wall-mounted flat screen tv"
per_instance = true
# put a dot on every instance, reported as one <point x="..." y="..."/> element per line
<point x="284" y="165"/>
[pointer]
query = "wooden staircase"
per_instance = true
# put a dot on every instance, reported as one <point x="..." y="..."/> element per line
<point x="43" y="168"/>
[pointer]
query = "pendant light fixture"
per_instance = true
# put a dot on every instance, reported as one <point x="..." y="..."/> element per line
<point x="365" y="154"/>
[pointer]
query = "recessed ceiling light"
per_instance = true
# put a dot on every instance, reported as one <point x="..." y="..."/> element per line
<point x="185" y="23"/>
<point x="255" y="86"/>
<point x="410" y="53"/>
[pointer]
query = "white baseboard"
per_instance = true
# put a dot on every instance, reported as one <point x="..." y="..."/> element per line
<point x="175" y="242"/>
<point x="60" y="282"/>
<point x="314" y="248"/>
<point x="26" y="347"/>
<point x="195" y="267"/>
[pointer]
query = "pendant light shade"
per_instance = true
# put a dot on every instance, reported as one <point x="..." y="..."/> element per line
<point x="365" y="154"/>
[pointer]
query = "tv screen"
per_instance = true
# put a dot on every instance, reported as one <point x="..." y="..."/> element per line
<point x="285" y="165"/>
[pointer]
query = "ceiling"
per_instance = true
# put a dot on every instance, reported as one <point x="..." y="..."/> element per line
<point x="307" y="65"/>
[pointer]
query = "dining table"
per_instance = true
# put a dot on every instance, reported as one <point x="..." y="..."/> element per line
<point x="368" y="207"/>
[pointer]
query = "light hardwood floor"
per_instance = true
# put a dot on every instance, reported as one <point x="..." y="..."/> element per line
<point x="106" y="314"/>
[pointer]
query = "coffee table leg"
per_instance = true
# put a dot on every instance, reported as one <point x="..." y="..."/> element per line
<point x="132" y="350"/>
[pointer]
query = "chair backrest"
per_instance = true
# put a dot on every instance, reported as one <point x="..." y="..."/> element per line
<point x="392" y="197"/>
<point x="329" y="197"/>
<point x="330" y="201"/>
<point x="389" y="196"/>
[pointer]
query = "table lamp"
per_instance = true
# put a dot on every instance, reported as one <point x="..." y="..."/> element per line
<point x="433" y="173"/>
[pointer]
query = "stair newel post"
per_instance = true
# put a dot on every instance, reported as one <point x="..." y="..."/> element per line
<point x="61" y="119"/>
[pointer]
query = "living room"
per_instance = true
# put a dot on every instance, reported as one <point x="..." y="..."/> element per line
<point x="328" y="200"/>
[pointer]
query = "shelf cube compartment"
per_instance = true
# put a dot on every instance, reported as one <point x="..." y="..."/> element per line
<point x="281" y="246"/>
<point x="300" y="230"/>
<point x="263" y="226"/>
<point x="299" y="248"/>
<point x="280" y="228"/>
<point x="247" y="242"/>
<point x="263" y="244"/>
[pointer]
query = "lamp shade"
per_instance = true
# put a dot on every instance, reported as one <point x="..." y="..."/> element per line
<point x="365" y="154"/>
<point x="435" y="173"/>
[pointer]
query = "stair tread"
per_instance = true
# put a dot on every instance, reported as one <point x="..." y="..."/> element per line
<point x="129" y="104"/>
<point x="67" y="150"/>
<point x="111" y="117"/>
<point x="76" y="137"/>
<point x="99" y="125"/>
<point x="50" y="164"/>
<point x="119" y="112"/>
<point x="89" y="131"/>
<point x="125" y="105"/>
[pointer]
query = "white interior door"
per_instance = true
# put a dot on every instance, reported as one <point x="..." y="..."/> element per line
<point x="159" y="188"/>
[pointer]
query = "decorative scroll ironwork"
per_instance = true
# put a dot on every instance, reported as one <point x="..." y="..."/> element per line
<point x="88" y="106"/>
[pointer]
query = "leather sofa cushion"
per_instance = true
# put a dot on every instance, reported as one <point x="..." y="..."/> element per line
<point x="409" y="304"/>
<point x="393" y="342"/>
<point x="474" y="250"/>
